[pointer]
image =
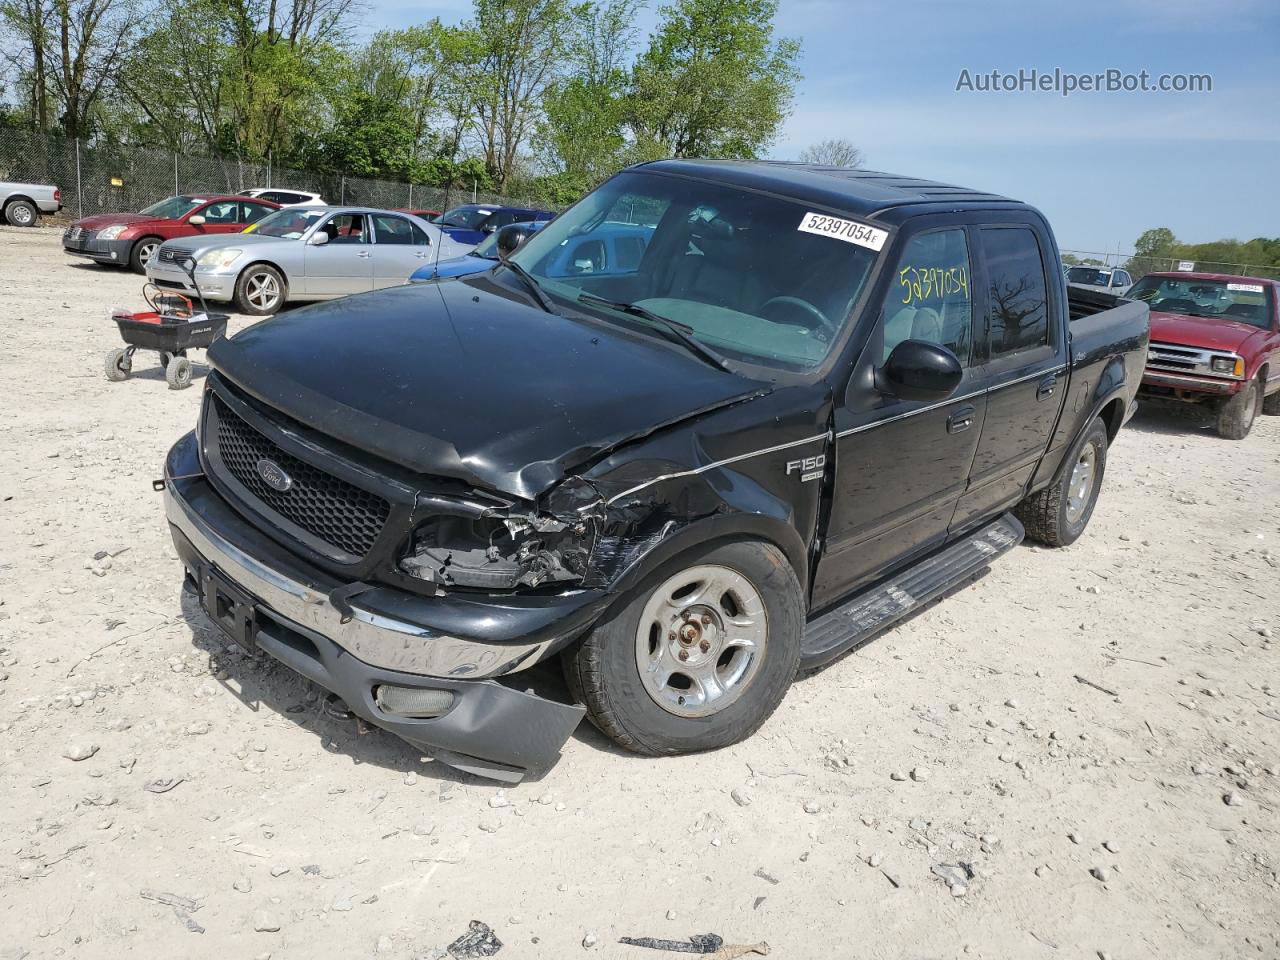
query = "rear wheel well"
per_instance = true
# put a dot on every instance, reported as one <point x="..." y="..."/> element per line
<point x="18" y="196"/>
<point x="1113" y="416"/>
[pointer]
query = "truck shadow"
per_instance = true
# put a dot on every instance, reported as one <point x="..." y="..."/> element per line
<point x="1172" y="419"/>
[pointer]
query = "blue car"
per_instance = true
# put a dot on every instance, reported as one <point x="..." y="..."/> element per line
<point x="477" y="260"/>
<point x="472" y="222"/>
<point x="609" y="250"/>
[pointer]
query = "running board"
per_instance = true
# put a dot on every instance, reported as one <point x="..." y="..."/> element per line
<point x="832" y="633"/>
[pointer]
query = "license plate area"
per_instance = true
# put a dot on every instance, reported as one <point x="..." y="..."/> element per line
<point x="229" y="607"/>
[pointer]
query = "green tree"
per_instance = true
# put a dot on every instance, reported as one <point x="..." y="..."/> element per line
<point x="1156" y="242"/>
<point x="714" y="81"/>
<point x="581" y="138"/>
<point x="524" y="47"/>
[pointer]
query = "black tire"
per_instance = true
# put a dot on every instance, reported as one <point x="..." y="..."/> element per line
<point x="1271" y="405"/>
<point x="604" y="672"/>
<point x="164" y="359"/>
<point x="1057" y="515"/>
<point x="21" y="213"/>
<point x="119" y="365"/>
<point x="1236" y="415"/>
<point x="249" y="287"/>
<point x="142" y="251"/>
<point x="177" y="373"/>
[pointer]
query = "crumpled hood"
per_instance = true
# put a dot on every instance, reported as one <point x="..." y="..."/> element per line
<point x="111" y="219"/>
<point x="458" y="379"/>
<point x="1204" y="333"/>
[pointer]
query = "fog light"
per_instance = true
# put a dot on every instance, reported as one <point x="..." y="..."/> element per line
<point x="412" y="701"/>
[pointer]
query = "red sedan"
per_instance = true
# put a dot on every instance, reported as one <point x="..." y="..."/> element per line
<point x="132" y="238"/>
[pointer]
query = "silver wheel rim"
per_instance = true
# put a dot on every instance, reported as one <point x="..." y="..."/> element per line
<point x="701" y="640"/>
<point x="146" y="252"/>
<point x="1252" y="406"/>
<point x="262" y="291"/>
<point x="22" y="215"/>
<point x="1080" y="487"/>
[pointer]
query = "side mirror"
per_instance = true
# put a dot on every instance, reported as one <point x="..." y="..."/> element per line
<point x="510" y="238"/>
<point x="488" y="228"/>
<point x="319" y="239"/>
<point x="196" y="221"/>
<point x="919" y="370"/>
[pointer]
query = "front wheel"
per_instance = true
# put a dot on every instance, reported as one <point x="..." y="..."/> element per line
<point x="698" y="656"/>
<point x="119" y="365"/>
<point x="260" y="290"/>
<point x="1236" y="416"/>
<point x="177" y="373"/>
<point x="1058" y="514"/>
<point x="142" y="252"/>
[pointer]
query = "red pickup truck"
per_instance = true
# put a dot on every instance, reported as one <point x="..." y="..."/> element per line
<point x="1215" y="339"/>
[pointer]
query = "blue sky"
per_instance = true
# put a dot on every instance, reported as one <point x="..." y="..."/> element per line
<point x="1102" y="166"/>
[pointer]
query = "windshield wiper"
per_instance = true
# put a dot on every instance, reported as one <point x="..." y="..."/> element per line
<point x="532" y="284"/>
<point x="679" y="331"/>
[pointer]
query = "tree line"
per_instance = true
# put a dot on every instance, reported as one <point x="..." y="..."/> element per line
<point x="1160" y="242"/>
<point x="542" y="98"/>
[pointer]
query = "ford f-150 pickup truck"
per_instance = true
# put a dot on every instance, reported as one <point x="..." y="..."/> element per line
<point x="1215" y="340"/>
<point x="820" y="399"/>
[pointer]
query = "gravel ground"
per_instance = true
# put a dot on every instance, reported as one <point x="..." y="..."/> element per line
<point x="1075" y="756"/>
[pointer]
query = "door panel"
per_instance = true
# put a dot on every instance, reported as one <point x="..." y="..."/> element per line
<point x="1025" y="373"/>
<point x="396" y="254"/>
<point x="902" y="465"/>
<point x="896" y="488"/>
<point x="344" y="265"/>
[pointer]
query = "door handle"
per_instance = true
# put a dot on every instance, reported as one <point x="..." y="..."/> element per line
<point x="961" y="419"/>
<point x="363" y="254"/>
<point x="1046" y="387"/>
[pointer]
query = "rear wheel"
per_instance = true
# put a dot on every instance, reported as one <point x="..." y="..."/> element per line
<point x="260" y="290"/>
<point x="698" y="656"/>
<point x="142" y="253"/>
<point x="21" y="213"/>
<point x="119" y="365"/>
<point x="1236" y="415"/>
<point x="1058" y="514"/>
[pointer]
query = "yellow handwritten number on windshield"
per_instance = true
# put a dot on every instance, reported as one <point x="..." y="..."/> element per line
<point x="932" y="283"/>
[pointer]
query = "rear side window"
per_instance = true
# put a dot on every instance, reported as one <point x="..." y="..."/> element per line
<point x="253" y="212"/>
<point x="392" y="230"/>
<point x="1018" y="294"/>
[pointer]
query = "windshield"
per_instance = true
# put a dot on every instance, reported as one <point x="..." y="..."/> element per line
<point x="173" y="208"/>
<point x="468" y="217"/>
<point x="1244" y="300"/>
<point x="287" y="224"/>
<point x="754" y="277"/>
<point x="1089" y="275"/>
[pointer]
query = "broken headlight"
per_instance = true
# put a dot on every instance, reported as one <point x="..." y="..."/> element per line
<point x="499" y="552"/>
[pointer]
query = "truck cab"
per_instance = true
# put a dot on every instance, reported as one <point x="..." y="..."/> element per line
<point x="816" y="400"/>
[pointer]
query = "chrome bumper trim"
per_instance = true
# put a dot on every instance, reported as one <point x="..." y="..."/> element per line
<point x="374" y="637"/>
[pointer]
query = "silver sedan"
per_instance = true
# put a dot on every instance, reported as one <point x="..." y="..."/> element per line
<point x="303" y="253"/>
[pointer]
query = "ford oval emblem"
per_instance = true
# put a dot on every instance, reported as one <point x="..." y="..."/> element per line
<point x="273" y="475"/>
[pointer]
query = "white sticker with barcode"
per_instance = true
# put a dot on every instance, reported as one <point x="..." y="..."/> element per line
<point x="850" y="231"/>
<point x="1245" y="287"/>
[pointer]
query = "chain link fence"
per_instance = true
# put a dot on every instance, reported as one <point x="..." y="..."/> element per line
<point x="1139" y="267"/>
<point x="95" y="178"/>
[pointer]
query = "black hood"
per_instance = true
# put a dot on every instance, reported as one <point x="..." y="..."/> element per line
<point x="458" y="380"/>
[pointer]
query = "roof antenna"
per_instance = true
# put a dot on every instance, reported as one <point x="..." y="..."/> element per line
<point x="448" y="183"/>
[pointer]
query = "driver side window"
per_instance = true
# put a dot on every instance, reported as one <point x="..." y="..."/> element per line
<point x="929" y="295"/>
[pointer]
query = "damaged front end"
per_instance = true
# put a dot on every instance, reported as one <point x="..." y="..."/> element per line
<point x="489" y="544"/>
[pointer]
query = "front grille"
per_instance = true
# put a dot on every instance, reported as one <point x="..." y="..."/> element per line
<point x="169" y="255"/>
<point x="1169" y="357"/>
<point x="340" y="514"/>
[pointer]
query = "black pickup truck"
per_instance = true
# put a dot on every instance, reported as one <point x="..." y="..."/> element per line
<point x="754" y="414"/>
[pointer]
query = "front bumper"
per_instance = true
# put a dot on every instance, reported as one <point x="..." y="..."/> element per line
<point x="103" y="251"/>
<point x="490" y="729"/>
<point x="214" y="286"/>
<point x="1187" y="383"/>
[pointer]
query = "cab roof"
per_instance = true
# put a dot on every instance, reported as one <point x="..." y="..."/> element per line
<point x="867" y="193"/>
